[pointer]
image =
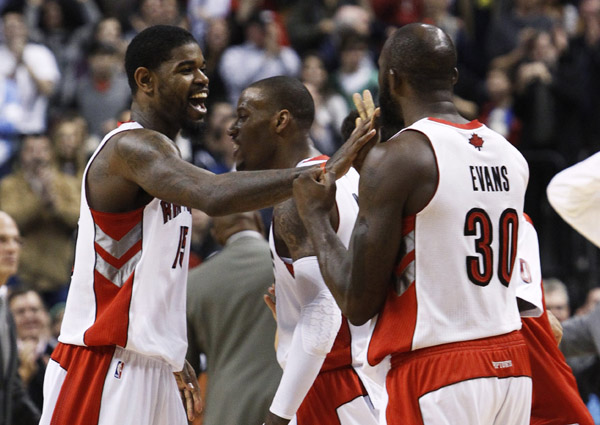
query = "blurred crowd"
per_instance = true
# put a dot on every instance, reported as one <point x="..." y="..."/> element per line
<point x="529" y="69"/>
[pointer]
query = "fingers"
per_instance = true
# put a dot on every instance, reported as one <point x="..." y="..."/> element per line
<point x="360" y="107"/>
<point x="364" y="105"/>
<point x="369" y="104"/>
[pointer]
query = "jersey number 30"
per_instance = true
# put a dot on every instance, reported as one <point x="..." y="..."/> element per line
<point x="480" y="268"/>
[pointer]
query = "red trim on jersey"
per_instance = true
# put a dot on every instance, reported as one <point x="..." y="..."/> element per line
<point x="112" y="312"/>
<point x="330" y="391"/>
<point x="556" y="399"/>
<point x="408" y="224"/>
<point x="80" y="395"/>
<point x="528" y="219"/>
<point x="419" y="372"/>
<point x="289" y="267"/>
<point x="341" y="352"/>
<point x="405" y="262"/>
<point x="117" y="225"/>
<point x="395" y="325"/>
<point x="468" y="126"/>
<point x="118" y="262"/>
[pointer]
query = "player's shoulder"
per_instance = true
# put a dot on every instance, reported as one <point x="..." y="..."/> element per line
<point x="141" y="140"/>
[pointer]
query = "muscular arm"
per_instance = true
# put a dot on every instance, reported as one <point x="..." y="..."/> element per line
<point x="139" y="164"/>
<point x="398" y="177"/>
<point x="148" y="160"/>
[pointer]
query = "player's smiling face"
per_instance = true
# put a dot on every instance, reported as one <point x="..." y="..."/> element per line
<point x="183" y="85"/>
<point x="252" y="131"/>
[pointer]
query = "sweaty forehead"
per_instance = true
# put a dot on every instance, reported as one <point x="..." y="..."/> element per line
<point x="252" y="98"/>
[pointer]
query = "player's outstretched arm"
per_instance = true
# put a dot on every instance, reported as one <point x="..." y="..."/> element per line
<point x="150" y="160"/>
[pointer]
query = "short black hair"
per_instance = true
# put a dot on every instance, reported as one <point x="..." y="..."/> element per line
<point x="289" y="93"/>
<point x="152" y="47"/>
<point x="424" y="54"/>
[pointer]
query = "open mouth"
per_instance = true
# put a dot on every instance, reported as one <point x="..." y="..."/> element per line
<point x="197" y="102"/>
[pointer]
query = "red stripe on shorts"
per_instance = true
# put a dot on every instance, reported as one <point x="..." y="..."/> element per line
<point x="81" y="392"/>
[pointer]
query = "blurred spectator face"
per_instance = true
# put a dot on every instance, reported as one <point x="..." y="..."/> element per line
<point x="52" y="15"/>
<point x="36" y="152"/>
<point x="589" y="8"/>
<point x="353" y="17"/>
<point x="10" y="246"/>
<point x="68" y="140"/>
<point x="15" y="27"/>
<point x="155" y="12"/>
<point x="558" y="303"/>
<point x="220" y="112"/>
<point x="436" y="7"/>
<point x="109" y="31"/>
<point x="591" y="301"/>
<point x="313" y="71"/>
<point x="31" y="318"/>
<point x="352" y="56"/>
<point x="498" y="85"/>
<point x="103" y="65"/>
<point x="543" y="49"/>
<point x="217" y="35"/>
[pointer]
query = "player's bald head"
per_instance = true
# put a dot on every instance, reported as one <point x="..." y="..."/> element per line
<point x="423" y="54"/>
<point x="288" y="93"/>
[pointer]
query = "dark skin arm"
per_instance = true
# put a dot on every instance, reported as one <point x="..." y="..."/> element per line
<point x="398" y="178"/>
<point x="137" y="165"/>
<point x="293" y="241"/>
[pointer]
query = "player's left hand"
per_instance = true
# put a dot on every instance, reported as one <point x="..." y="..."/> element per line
<point x="314" y="197"/>
<point x="189" y="390"/>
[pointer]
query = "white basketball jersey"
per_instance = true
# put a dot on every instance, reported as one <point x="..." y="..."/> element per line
<point x="129" y="280"/>
<point x="288" y="306"/>
<point x="453" y="280"/>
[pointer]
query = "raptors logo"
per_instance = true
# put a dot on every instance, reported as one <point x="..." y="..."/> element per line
<point x="476" y="141"/>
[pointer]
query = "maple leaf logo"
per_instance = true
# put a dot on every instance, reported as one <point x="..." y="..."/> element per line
<point x="476" y="141"/>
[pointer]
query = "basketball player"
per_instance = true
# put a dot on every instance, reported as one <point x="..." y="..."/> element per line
<point x="433" y="248"/>
<point x="556" y="399"/>
<point x="124" y="331"/>
<point x="317" y="348"/>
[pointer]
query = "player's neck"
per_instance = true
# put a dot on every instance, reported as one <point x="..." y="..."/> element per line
<point x="149" y="119"/>
<point x="444" y="109"/>
<point x="300" y="151"/>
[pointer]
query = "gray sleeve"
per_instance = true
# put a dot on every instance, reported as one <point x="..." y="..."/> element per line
<point x="581" y="334"/>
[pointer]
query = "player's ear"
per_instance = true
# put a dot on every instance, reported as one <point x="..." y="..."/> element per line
<point x="282" y="120"/>
<point x="454" y="76"/>
<point x="144" y="79"/>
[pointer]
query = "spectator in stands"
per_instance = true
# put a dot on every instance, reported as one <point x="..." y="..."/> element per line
<point x="201" y="13"/>
<point x="217" y="39"/>
<point x="497" y="113"/>
<point x="330" y="106"/>
<point x="155" y="12"/>
<point x="357" y="71"/>
<point x="217" y="149"/>
<point x="15" y="402"/>
<point x="557" y="298"/>
<point x="261" y="56"/>
<point x="34" y="340"/>
<point x="45" y="204"/>
<point x="32" y="66"/>
<point x="69" y="136"/>
<point x="103" y="92"/>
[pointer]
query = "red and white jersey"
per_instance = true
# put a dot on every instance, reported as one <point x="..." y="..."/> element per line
<point x="129" y="280"/>
<point x="457" y="254"/>
<point x="556" y="399"/>
<point x="286" y="290"/>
